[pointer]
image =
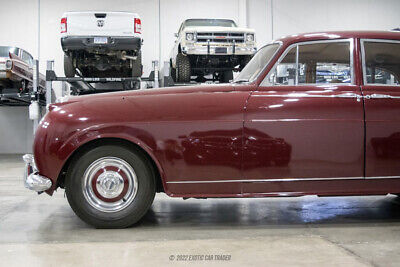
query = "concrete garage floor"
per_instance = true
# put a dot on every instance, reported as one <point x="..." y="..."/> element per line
<point x="306" y="231"/>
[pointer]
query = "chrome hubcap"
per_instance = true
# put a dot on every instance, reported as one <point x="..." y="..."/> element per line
<point x="110" y="184"/>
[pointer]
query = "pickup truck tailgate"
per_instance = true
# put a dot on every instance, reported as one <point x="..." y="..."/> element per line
<point x="100" y="23"/>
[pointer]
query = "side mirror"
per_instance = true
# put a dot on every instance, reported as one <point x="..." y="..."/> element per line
<point x="176" y="35"/>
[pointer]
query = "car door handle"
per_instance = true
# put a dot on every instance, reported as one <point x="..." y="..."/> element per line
<point x="378" y="96"/>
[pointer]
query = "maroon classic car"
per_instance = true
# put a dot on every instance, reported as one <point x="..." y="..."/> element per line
<point x="16" y="70"/>
<point x="284" y="127"/>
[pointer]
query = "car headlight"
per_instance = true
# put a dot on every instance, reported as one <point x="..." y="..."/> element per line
<point x="250" y="37"/>
<point x="9" y="65"/>
<point x="189" y="36"/>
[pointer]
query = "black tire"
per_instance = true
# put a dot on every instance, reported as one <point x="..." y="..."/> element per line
<point x="135" y="208"/>
<point x="69" y="68"/>
<point x="226" y="76"/>
<point x="137" y="67"/>
<point x="173" y="73"/>
<point x="183" y="69"/>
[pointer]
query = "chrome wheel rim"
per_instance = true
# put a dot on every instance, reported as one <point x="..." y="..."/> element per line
<point x="110" y="184"/>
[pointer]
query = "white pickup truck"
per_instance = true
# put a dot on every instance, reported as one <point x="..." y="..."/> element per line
<point x="101" y="44"/>
<point x="211" y="46"/>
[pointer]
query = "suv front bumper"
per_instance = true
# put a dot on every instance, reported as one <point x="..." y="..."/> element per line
<point x="32" y="179"/>
<point x="215" y="49"/>
<point x="71" y="43"/>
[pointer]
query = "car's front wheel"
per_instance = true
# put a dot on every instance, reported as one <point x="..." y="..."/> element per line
<point x="110" y="186"/>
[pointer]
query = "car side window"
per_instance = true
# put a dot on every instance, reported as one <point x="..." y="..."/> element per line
<point x="313" y="63"/>
<point x="285" y="72"/>
<point x="381" y="61"/>
<point x="27" y="58"/>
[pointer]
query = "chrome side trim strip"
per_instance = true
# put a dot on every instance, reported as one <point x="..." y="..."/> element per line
<point x="382" y="177"/>
<point x="298" y="95"/>
<point x="282" y="180"/>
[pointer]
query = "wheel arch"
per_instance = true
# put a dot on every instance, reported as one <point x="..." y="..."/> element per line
<point x="156" y="168"/>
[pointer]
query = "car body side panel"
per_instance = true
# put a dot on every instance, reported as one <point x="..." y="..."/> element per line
<point x="303" y="132"/>
<point x="382" y="120"/>
<point x="200" y="135"/>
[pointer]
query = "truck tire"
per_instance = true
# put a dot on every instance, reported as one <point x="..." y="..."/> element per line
<point x="226" y="76"/>
<point x="172" y="71"/>
<point x="69" y="68"/>
<point x="110" y="186"/>
<point x="183" y="69"/>
<point x="137" y="67"/>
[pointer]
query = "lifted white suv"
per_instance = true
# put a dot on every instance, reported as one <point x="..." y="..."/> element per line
<point x="211" y="46"/>
<point x="101" y="44"/>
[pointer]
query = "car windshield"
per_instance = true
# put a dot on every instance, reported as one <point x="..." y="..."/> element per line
<point x="257" y="63"/>
<point x="210" y="22"/>
<point x="5" y="50"/>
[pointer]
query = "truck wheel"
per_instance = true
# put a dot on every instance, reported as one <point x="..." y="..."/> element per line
<point x="226" y="76"/>
<point x="69" y="69"/>
<point x="183" y="68"/>
<point x="110" y="186"/>
<point x="137" y="67"/>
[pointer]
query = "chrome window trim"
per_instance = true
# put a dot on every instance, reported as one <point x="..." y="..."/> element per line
<point x="351" y="54"/>
<point x="280" y="43"/>
<point x="364" y="67"/>
<point x="284" y="180"/>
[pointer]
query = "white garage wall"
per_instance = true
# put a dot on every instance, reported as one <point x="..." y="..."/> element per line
<point x="292" y="17"/>
<point x="15" y="130"/>
<point x="270" y="18"/>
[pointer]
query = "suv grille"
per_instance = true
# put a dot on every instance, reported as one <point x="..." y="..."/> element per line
<point x="220" y="37"/>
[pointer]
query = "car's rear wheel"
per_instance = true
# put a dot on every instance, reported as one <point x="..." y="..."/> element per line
<point x="69" y="68"/>
<point x="110" y="186"/>
<point x="183" y="69"/>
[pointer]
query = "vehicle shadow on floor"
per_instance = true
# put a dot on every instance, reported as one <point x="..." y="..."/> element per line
<point x="274" y="212"/>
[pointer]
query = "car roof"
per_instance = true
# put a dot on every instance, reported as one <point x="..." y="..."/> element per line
<point x="332" y="35"/>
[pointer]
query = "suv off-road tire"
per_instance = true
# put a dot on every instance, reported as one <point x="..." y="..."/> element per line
<point x="183" y="69"/>
<point x="69" y="68"/>
<point x="82" y="181"/>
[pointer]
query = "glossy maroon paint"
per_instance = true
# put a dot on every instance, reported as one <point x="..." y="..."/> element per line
<point x="216" y="135"/>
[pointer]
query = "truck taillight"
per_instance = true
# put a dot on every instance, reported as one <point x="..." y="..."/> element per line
<point x="138" y="26"/>
<point x="63" y="25"/>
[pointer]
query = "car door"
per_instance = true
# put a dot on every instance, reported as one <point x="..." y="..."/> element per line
<point x="381" y="89"/>
<point x="304" y="124"/>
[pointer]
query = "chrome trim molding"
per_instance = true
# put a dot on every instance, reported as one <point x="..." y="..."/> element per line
<point x="299" y="95"/>
<point x="283" y="180"/>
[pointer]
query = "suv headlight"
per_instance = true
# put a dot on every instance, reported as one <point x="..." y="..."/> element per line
<point x="190" y="36"/>
<point x="9" y="64"/>
<point x="250" y="37"/>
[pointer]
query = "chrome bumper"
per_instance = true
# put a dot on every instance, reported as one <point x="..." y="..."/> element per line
<point x="210" y="49"/>
<point x="32" y="180"/>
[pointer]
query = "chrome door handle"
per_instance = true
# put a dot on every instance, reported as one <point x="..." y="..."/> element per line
<point x="378" y="96"/>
